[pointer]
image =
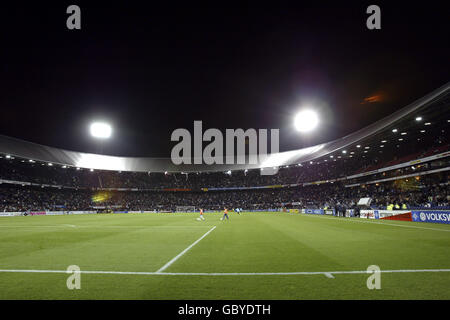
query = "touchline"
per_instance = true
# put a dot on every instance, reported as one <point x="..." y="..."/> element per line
<point x="213" y="153"/>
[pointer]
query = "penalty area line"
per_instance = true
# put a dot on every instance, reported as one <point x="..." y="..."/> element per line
<point x="168" y="264"/>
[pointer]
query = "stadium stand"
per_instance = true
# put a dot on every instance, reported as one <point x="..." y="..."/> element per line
<point x="404" y="162"/>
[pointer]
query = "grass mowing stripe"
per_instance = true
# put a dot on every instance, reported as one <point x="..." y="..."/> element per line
<point x="184" y="251"/>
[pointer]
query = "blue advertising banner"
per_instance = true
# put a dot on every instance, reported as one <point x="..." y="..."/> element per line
<point x="435" y="216"/>
<point x="315" y="211"/>
<point x="376" y="214"/>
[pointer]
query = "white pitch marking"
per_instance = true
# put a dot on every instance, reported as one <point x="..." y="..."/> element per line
<point x="329" y="275"/>
<point x="326" y="273"/>
<point x="184" y="251"/>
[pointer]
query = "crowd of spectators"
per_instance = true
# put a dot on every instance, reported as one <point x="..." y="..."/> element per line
<point x="326" y="169"/>
<point x="430" y="191"/>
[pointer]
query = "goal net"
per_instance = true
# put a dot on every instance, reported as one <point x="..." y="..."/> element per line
<point x="185" y="209"/>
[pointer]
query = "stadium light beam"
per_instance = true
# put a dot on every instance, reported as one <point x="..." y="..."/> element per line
<point x="100" y="130"/>
<point x="306" y="121"/>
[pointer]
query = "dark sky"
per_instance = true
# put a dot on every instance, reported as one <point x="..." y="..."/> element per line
<point x="149" y="69"/>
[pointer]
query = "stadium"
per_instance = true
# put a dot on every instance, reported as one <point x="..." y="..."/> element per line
<point x="378" y="196"/>
<point x="224" y="159"/>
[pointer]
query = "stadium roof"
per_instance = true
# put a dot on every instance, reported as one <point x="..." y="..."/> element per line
<point x="435" y="105"/>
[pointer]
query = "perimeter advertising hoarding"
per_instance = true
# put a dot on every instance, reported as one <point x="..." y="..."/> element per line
<point x="37" y="213"/>
<point x="314" y="211"/>
<point x="433" y="216"/>
<point x="10" y="214"/>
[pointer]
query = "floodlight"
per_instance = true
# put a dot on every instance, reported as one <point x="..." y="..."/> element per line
<point x="306" y="121"/>
<point x="100" y="130"/>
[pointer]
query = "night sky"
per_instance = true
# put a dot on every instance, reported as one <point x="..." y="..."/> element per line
<point x="149" y="69"/>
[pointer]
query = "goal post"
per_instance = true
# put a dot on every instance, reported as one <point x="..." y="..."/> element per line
<point x="185" y="209"/>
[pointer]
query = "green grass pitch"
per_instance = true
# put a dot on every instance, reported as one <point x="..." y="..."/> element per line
<point x="248" y="243"/>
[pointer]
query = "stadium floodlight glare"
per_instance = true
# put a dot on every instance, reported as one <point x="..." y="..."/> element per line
<point x="358" y="146"/>
<point x="419" y="119"/>
<point x="50" y="164"/>
<point x="344" y="151"/>
<point x="100" y="130"/>
<point x="306" y="120"/>
<point x="394" y="130"/>
<point x="8" y="156"/>
<point x="422" y="131"/>
<point x="428" y="123"/>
